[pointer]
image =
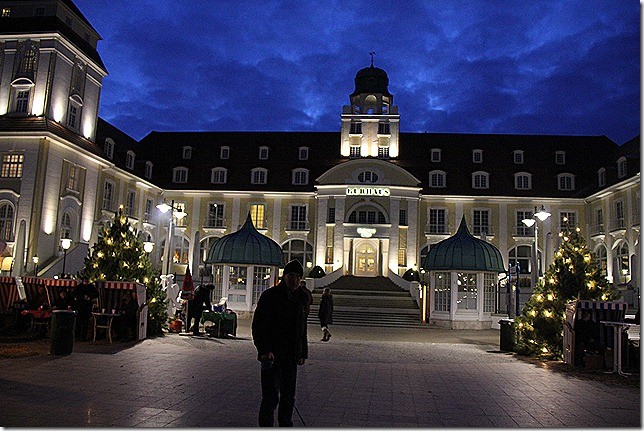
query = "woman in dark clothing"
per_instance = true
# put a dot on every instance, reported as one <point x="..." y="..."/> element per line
<point x="325" y="313"/>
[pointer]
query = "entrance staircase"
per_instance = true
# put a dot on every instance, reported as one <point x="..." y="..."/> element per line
<point x="369" y="301"/>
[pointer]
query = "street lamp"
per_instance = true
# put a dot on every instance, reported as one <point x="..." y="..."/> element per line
<point x="148" y="245"/>
<point x="540" y="215"/>
<point x="179" y="214"/>
<point x="65" y="243"/>
<point x="35" y="259"/>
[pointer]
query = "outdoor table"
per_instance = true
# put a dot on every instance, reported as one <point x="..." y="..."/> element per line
<point x="618" y="330"/>
<point x="38" y="317"/>
<point x="104" y="320"/>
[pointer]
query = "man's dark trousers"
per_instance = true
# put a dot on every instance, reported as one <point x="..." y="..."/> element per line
<point x="278" y="387"/>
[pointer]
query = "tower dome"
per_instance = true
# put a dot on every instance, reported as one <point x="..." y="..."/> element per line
<point x="371" y="80"/>
<point x="246" y="246"/>
<point x="464" y="252"/>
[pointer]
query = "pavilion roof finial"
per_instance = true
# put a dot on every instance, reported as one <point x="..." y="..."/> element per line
<point x="372" y="54"/>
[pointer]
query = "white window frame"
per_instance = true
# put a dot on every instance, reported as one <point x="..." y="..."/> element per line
<point x="566" y="182"/>
<point x="180" y="175"/>
<point x="109" y="148"/>
<point x="130" y="203"/>
<point x="109" y="192"/>
<point x="148" y="169"/>
<point x="560" y="157"/>
<point x="477" y="156"/>
<point x="187" y="152"/>
<point x="480" y="180"/>
<point x="481" y="221"/>
<point x="263" y="153"/>
<point x="601" y="177"/>
<point x="7" y="220"/>
<point x="441" y="179"/>
<point x="303" y="153"/>
<point x="437" y="221"/>
<point x="621" y="167"/>
<point x="300" y="177"/>
<point x="435" y="155"/>
<point x="517" y="157"/>
<point x="216" y="211"/>
<point x="259" y="176"/>
<point x="129" y="159"/>
<point x="224" y="153"/>
<point x="298" y="217"/>
<point x="74" y="110"/>
<point x="218" y="175"/>
<point x="12" y="165"/>
<point x="523" y="181"/>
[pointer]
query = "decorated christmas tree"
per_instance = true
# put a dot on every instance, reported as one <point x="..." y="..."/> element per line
<point x="573" y="275"/>
<point x="118" y="255"/>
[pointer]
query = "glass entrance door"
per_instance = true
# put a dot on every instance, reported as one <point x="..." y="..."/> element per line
<point x="366" y="263"/>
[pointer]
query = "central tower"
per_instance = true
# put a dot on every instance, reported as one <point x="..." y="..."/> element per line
<point x="370" y="124"/>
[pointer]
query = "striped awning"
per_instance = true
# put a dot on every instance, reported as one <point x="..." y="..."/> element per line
<point x="601" y="305"/>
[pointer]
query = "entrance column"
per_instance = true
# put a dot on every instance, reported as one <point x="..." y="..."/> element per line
<point x="394" y="210"/>
<point x="320" y="230"/>
<point x="338" y="234"/>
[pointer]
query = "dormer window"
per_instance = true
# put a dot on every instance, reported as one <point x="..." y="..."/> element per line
<point x="218" y="175"/>
<point x="480" y="180"/>
<point x="109" y="148"/>
<point x="148" y="169"/>
<point x="437" y="179"/>
<point x="263" y="153"/>
<point x="560" y="157"/>
<point x="436" y="155"/>
<point x="518" y="157"/>
<point x="258" y="176"/>
<point x="300" y="177"/>
<point x="224" y="153"/>
<point x="368" y="177"/>
<point x="355" y="128"/>
<point x="566" y="182"/>
<point x="129" y="160"/>
<point x="304" y="153"/>
<point x="187" y="153"/>
<point x="477" y="156"/>
<point x="180" y="175"/>
<point x="522" y="181"/>
<point x="621" y="167"/>
<point x="601" y="177"/>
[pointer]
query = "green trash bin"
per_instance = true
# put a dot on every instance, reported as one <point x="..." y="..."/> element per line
<point x="507" y="333"/>
<point x="63" y="323"/>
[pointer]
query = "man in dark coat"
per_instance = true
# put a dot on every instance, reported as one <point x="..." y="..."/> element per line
<point x="84" y="296"/>
<point x="200" y="302"/>
<point x="279" y="334"/>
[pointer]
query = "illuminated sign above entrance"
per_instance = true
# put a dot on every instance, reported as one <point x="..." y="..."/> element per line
<point x="368" y="191"/>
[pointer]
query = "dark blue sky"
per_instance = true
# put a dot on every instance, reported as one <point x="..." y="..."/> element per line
<point x="546" y="67"/>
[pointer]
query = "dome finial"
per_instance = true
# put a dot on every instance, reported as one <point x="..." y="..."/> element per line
<point x="372" y="54"/>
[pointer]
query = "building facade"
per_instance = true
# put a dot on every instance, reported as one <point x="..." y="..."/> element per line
<point x="368" y="200"/>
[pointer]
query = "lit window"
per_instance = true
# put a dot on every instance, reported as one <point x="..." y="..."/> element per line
<point x="129" y="160"/>
<point x="477" y="156"/>
<point x="257" y="215"/>
<point x="218" y="176"/>
<point x="560" y="157"/>
<point x="258" y="176"/>
<point x="73" y="176"/>
<point x="300" y="177"/>
<point x="518" y="157"/>
<point x="263" y="153"/>
<point x="12" y="165"/>
<point x="6" y="12"/>
<point x="436" y="155"/>
<point x="566" y="182"/>
<point x="224" y="153"/>
<point x="180" y="175"/>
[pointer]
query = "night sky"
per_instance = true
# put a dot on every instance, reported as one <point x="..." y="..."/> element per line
<point x="544" y="67"/>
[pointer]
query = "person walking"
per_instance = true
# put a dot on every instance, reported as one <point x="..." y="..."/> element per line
<point x="325" y="313"/>
<point x="279" y="335"/>
<point x="196" y="306"/>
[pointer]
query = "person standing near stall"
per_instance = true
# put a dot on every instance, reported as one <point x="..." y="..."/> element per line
<point x="84" y="296"/>
<point x="197" y="304"/>
<point x="279" y="335"/>
<point x="325" y="313"/>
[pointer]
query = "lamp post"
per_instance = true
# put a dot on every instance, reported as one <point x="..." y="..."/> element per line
<point x="540" y="215"/>
<point x="35" y="259"/>
<point x="178" y="213"/>
<point x="65" y="243"/>
<point x="148" y="245"/>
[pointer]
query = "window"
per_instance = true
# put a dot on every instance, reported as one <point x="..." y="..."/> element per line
<point x="355" y="128"/>
<point x="129" y="160"/>
<point x="215" y="215"/>
<point x="6" y="222"/>
<point x="130" y="204"/>
<point x="180" y="175"/>
<point x="6" y="12"/>
<point x="601" y="177"/>
<point x="28" y="59"/>
<point x="383" y="129"/>
<point x="622" y="261"/>
<point x="437" y="179"/>
<point x="187" y="153"/>
<point x="108" y="195"/>
<point x="181" y="247"/>
<point x="402" y="247"/>
<point x="489" y="287"/>
<point x="481" y="222"/>
<point x="601" y="257"/>
<point x="619" y="215"/>
<point x="330" y="215"/>
<point x="467" y="295"/>
<point x="224" y="153"/>
<point x="148" y="169"/>
<point x="383" y="152"/>
<point x="72" y="176"/>
<point x="303" y="153"/>
<point x="354" y="151"/>
<point x="442" y="291"/>
<point x="218" y="175"/>
<point x="367" y="215"/>
<point x="567" y="219"/>
<point x="72" y="116"/>
<point x="566" y="182"/>
<point x="300" y="176"/>
<point x="518" y="157"/>
<point x="66" y="225"/>
<point x="12" y="165"/>
<point x="298" y="249"/>
<point x="560" y="157"/>
<point x="261" y="281"/>
<point x="258" y="176"/>
<point x="437" y="221"/>
<point x="257" y="216"/>
<point x="298" y="217"/>
<point x="22" y="101"/>
<point x="109" y="148"/>
<point x="522" y="181"/>
<point x="402" y="217"/>
<point x="436" y="155"/>
<point x="147" y="214"/>
<point x="263" y="153"/>
<point x="522" y="229"/>
<point x="599" y="221"/>
<point x="621" y="167"/>
<point x="480" y="180"/>
<point x="477" y="156"/>
<point x="368" y="177"/>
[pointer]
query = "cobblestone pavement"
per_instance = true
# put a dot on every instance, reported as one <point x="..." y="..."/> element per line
<point x="363" y="377"/>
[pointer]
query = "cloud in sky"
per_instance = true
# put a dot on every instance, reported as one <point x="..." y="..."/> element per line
<point x="473" y="66"/>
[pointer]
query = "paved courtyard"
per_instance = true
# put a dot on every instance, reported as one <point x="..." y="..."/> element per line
<point x="363" y="377"/>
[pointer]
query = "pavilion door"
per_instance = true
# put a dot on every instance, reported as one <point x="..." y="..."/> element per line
<point x="366" y="261"/>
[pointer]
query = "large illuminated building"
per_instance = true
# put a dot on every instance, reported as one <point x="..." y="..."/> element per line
<point x="368" y="200"/>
